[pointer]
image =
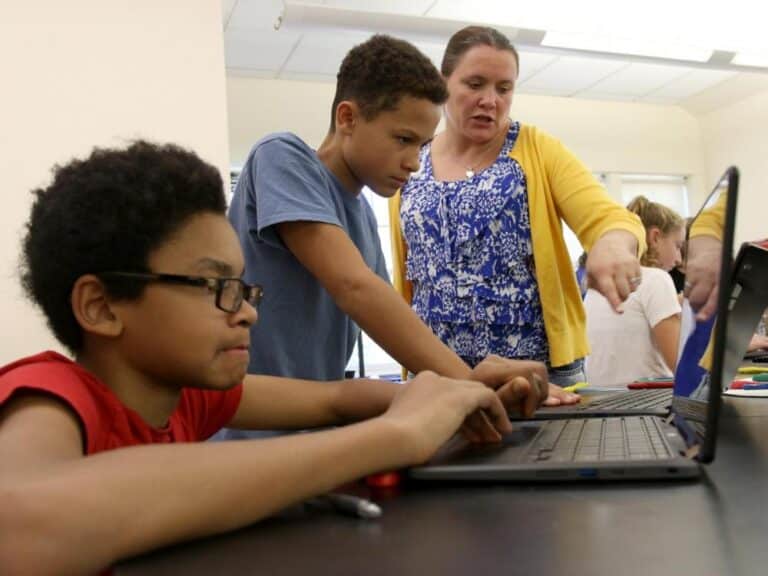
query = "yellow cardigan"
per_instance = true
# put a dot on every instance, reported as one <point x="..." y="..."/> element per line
<point x="710" y="221"/>
<point x="559" y="186"/>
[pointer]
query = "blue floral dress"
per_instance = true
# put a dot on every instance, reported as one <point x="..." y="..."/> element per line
<point x="470" y="259"/>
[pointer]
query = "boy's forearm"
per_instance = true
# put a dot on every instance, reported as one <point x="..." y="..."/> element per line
<point x="128" y="501"/>
<point x="298" y="404"/>
<point x="384" y="315"/>
<point x="362" y="398"/>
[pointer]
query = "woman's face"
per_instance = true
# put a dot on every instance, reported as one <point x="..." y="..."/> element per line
<point x="480" y="93"/>
<point x="668" y="247"/>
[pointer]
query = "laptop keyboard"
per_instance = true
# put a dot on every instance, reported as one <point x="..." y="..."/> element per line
<point x="634" y="400"/>
<point x="599" y="439"/>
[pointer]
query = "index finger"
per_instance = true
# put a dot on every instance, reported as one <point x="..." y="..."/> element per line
<point x="523" y="393"/>
<point x="608" y="288"/>
<point x="709" y="307"/>
<point x="495" y="409"/>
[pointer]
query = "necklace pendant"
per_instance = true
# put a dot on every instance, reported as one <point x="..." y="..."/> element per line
<point x="470" y="173"/>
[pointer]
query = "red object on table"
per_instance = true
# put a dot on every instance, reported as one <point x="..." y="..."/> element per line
<point x="384" y="480"/>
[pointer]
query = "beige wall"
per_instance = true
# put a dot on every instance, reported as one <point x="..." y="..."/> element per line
<point x="736" y="134"/>
<point x="607" y="136"/>
<point x="81" y="73"/>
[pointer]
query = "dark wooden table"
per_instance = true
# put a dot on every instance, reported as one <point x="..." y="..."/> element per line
<point x="717" y="525"/>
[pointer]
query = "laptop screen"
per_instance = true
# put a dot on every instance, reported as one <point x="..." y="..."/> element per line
<point x="702" y="367"/>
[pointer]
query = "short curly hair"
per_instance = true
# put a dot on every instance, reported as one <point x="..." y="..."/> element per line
<point x="379" y="72"/>
<point x="109" y="212"/>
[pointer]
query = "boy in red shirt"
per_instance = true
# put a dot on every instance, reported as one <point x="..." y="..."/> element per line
<point x="131" y="258"/>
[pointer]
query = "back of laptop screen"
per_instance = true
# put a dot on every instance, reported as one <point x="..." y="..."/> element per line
<point x="699" y="372"/>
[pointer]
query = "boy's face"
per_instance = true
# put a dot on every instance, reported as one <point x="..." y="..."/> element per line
<point x="174" y="334"/>
<point x="382" y="152"/>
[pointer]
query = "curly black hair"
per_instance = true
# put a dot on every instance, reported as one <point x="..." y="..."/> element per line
<point x="379" y="72"/>
<point x="109" y="212"/>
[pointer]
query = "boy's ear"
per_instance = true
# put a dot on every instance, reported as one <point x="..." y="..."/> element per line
<point x="92" y="307"/>
<point x="347" y="116"/>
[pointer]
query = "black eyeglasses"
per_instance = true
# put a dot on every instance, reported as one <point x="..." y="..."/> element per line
<point x="230" y="292"/>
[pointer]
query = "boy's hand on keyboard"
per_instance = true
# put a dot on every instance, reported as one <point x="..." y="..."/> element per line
<point x="559" y="397"/>
<point x="521" y="385"/>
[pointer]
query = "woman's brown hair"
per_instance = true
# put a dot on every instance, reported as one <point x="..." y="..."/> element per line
<point x="472" y="36"/>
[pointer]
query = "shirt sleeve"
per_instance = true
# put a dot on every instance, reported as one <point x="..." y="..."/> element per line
<point x="287" y="184"/>
<point x="658" y="296"/>
<point x="582" y="201"/>
<point x="208" y="411"/>
<point x="58" y="381"/>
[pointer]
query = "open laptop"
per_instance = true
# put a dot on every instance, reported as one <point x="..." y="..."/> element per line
<point x="622" y="447"/>
<point x="648" y="401"/>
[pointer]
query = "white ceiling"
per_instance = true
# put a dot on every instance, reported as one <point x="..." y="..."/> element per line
<point x="254" y="47"/>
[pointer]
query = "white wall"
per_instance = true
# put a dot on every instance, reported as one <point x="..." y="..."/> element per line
<point x="736" y="134"/>
<point x="87" y="72"/>
<point x="607" y="136"/>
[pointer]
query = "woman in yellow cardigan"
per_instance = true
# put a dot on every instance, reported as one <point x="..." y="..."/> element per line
<point x="482" y="257"/>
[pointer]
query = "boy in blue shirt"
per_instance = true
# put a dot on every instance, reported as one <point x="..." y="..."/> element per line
<point x="138" y="272"/>
<point x="310" y="238"/>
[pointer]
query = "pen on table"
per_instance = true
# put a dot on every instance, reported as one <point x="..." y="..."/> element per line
<point x="575" y="387"/>
<point x="752" y="369"/>
<point x="645" y="385"/>
<point x="350" y="505"/>
<point x="748" y="385"/>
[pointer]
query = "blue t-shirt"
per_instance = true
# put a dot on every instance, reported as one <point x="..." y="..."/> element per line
<point x="301" y="332"/>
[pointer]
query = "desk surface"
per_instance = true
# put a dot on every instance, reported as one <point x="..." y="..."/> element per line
<point x="717" y="525"/>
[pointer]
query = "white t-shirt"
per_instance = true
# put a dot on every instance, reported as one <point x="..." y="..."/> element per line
<point x="623" y="348"/>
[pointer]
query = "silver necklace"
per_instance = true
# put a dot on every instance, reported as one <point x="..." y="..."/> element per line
<point x="471" y="170"/>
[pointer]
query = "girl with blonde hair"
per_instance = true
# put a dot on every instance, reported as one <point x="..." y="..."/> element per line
<point x="642" y="340"/>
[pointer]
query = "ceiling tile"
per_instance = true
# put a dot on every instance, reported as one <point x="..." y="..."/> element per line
<point x="255" y="14"/>
<point x="257" y="49"/>
<point x="532" y="62"/>
<point x="569" y="75"/>
<point x="637" y="80"/>
<point x="321" y="53"/>
<point x="691" y="83"/>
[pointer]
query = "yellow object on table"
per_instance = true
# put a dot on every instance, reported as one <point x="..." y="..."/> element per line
<point x="575" y="387"/>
